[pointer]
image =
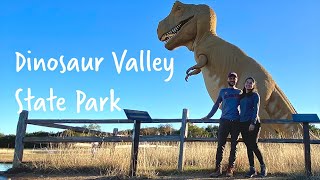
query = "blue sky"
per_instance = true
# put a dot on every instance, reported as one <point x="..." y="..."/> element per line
<point x="283" y="36"/>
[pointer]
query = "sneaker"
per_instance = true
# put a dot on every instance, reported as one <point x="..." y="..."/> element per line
<point x="252" y="172"/>
<point x="264" y="170"/>
<point x="229" y="172"/>
<point x="217" y="172"/>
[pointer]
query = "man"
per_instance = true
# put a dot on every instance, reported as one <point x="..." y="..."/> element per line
<point x="229" y="99"/>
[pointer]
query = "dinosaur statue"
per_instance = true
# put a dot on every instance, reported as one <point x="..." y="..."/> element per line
<point x="194" y="26"/>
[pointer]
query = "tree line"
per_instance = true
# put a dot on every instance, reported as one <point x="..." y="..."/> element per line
<point x="8" y="141"/>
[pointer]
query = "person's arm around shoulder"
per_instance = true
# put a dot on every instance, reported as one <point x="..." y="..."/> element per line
<point x="214" y="108"/>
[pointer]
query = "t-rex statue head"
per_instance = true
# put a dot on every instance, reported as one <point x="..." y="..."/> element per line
<point x="181" y="26"/>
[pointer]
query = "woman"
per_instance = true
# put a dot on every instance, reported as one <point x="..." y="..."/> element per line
<point x="250" y="125"/>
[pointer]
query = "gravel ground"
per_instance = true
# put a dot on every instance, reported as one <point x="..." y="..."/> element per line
<point x="193" y="176"/>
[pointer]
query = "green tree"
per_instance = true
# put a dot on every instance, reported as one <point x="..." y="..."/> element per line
<point x="148" y="131"/>
<point x="212" y="130"/>
<point x="7" y="141"/>
<point x="195" y="131"/>
<point x="314" y="129"/>
<point x="91" y="126"/>
<point x="166" y="129"/>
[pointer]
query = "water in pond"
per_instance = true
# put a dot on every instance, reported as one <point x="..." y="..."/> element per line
<point x="5" y="166"/>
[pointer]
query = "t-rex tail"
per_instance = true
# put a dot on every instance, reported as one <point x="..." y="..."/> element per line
<point x="279" y="107"/>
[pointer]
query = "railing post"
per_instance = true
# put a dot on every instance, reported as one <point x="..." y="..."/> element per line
<point x="19" y="145"/>
<point x="183" y="135"/>
<point x="135" y="148"/>
<point x="113" y="147"/>
<point x="306" y="142"/>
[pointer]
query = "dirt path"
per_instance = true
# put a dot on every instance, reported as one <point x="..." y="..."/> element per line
<point x="204" y="176"/>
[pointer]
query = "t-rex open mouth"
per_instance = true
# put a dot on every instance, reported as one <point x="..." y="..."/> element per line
<point x="170" y="34"/>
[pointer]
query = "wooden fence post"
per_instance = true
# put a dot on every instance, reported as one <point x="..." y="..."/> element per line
<point x="135" y="148"/>
<point x="19" y="145"/>
<point x="306" y="142"/>
<point x="183" y="135"/>
<point x="113" y="147"/>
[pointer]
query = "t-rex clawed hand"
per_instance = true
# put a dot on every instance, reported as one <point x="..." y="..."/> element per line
<point x="196" y="69"/>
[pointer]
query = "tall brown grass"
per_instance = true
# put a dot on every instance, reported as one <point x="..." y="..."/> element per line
<point x="115" y="160"/>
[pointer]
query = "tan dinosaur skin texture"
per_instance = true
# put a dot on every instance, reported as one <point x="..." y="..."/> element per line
<point x="215" y="58"/>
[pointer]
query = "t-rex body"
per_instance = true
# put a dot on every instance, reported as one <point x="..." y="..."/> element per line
<point x="194" y="26"/>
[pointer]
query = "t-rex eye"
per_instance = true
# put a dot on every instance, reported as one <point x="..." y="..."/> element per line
<point x="178" y="8"/>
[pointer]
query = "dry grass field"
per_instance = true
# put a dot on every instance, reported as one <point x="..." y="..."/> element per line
<point x="161" y="160"/>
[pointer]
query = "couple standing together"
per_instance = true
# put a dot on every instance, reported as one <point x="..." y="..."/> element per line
<point x="232" y="122"/>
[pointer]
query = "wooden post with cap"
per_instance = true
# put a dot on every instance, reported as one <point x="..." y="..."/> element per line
<point x="138" y="117"/>
<point x="305" y="119"/>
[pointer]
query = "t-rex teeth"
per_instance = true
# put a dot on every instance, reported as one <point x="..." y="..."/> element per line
<point x="167" y="36"/>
